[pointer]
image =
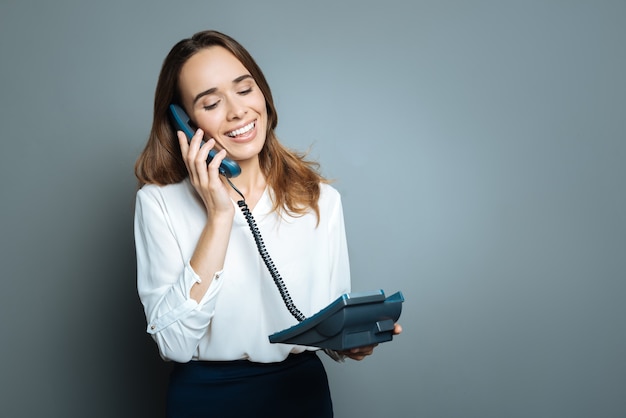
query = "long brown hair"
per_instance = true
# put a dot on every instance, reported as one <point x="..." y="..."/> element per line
<point x="293" y="179"/>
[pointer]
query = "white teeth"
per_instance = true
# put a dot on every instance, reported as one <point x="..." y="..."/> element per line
<point x="241" y="131"/>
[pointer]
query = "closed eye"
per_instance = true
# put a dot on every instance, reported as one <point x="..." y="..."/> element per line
<point x="210" y="106"/>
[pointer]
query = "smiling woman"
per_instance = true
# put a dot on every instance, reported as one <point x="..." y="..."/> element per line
<point x="294" y="180"/>
<point x="209" y="302"/>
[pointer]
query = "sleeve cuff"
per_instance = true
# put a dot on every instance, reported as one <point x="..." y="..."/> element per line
<point x="189" y="305"/>
<point x="172" y="316"/>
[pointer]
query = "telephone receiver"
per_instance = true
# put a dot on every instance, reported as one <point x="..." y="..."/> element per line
<point x="182" y="122"/>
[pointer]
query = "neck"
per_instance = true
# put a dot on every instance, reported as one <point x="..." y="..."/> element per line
<point x="251" y="182"/>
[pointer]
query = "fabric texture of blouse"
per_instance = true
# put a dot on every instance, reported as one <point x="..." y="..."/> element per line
<point x="242" y="306"/>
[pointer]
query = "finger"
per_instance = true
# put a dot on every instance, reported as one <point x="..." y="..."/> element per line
<point x="196" y="140"/>
<point x="201" y="164"/>
<point x="215" y="164"/>
<point x="357" y="357"/>
<point x="360" y="355"/>
<point x="194" y="145"/>
<point x="182" y="141"/>
<point x="190" y="150"/>
<point x="185" y="152"/>
<point x="364" y="349"/>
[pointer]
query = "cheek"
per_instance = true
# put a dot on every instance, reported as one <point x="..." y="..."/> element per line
<point x="210" y="123"/>
<point x="260" y="105"/>
<point x="264" y="115"/>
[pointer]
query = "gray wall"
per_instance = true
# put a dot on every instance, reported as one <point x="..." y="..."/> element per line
<point x="479" y="147"/>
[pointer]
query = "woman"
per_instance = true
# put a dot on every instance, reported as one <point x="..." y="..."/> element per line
<point x="209" y="300"/>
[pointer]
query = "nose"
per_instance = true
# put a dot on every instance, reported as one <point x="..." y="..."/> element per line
<point x="236" y="109"/>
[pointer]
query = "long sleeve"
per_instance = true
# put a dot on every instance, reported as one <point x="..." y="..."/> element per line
<point x="242" y="306"/>
<point x="164" y="280"/>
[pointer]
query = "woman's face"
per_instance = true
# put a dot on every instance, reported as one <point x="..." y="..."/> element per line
<point x="224" y="100"/>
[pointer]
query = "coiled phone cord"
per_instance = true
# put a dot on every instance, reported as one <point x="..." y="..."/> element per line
<point x="282" y="289"/>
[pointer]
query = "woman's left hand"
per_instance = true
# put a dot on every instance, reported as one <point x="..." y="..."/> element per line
<point x="360" y="353"/>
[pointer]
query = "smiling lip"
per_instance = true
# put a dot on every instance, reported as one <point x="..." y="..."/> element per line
<point x="242" y="131"/>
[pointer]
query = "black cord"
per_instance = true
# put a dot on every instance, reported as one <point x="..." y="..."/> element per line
<point x="282" y="289"/>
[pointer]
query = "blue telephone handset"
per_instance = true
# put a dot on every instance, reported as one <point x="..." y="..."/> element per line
<point x="182" y="122"/>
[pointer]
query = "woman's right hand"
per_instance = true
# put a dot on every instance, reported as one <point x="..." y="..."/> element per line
<point x="206" y="178"/>
<point x="208" y="257"/>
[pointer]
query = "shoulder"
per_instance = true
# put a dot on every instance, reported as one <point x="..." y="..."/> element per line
<point x="159" y="192"/>
<point x="173" y="195"/>
<point x="330" y="198"/>
<point x="328" y="192"/>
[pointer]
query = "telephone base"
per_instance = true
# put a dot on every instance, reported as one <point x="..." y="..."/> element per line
<point x="352" y="320"/>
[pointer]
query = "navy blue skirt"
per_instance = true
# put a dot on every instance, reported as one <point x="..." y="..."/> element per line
<point x="296" y="387"/>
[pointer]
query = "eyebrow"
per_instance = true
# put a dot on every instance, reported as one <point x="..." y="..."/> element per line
<point x="214" y="89"/>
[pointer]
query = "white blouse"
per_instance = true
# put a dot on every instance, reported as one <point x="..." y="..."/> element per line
<point x="242" y="306"/>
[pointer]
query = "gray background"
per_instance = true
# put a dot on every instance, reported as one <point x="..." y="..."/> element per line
<point x="479" y="147"/>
